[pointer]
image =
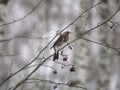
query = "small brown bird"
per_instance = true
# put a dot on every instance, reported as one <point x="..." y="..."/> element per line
<point x="63" y="38"/>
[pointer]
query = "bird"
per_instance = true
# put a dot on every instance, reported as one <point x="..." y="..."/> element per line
<point x="63" y="38"/>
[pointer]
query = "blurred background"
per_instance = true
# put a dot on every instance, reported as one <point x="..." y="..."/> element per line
<point x="92" y="62"/>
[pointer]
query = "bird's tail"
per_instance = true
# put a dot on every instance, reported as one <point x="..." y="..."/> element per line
<point x="56" y="54"/>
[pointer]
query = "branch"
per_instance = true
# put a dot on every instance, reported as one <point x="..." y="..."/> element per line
<point x="103" y="44"/>
<point x="20" y="37"/>
<point x="22" y="81"/>
<point x="56" y="83"/>
<point x="17" y="20"/>
<point x="94" y="27"/>
<point x="80" y="16"/>
<point x="48" y="42"/>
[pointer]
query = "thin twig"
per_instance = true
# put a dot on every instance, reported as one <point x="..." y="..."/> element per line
<point x="42" y="65"/>
<point x="20" y="19"/>
<point x="103" y="44"/>
<point x="62" y="63"/>
<point x="10" y="74"/>
<point x="20" y="37"/>
<point x="56" y="83"/>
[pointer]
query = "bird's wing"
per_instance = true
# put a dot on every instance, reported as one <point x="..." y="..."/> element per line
<point x="59" y="41"/>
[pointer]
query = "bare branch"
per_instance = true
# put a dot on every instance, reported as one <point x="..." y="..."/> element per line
<point x="20" y="19"/>
<point x="30" y="80"/>
<point x="103" y="44"/>
<point x="45" y="46"/>
<point x="22" y="81"/>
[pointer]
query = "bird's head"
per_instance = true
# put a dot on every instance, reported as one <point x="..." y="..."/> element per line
<point x="66" y="33"/>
